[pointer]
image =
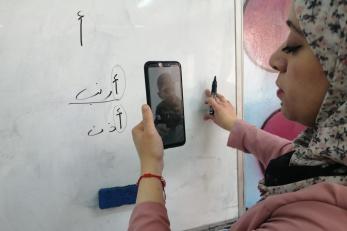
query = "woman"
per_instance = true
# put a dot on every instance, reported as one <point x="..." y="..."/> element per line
<point x="305" y="182"/>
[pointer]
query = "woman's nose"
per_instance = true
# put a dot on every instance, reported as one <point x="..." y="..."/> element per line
<point x="277" y="61"/>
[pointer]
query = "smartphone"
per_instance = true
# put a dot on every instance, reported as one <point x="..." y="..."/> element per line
<point x="164" y="94"/>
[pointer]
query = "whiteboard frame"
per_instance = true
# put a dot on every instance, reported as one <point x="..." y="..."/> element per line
<point x="239" y="97"/>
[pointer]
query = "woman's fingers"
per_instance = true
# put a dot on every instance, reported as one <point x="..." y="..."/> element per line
<point x="208" y="117"/>
<point x="218" y="96"/>
<point x="221" y="98"/>
<point x="207" y="93"/>
<point x="147" y="118"/>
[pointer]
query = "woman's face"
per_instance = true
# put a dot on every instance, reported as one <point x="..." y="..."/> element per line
<point x="301" y="81"/>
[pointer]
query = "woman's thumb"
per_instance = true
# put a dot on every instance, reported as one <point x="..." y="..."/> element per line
<point x="147" y="117"/>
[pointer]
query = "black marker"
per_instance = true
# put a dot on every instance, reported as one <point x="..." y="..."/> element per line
<point x="213" y="93"/>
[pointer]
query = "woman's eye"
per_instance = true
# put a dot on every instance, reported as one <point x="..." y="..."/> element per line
<point x="291" y="49"/>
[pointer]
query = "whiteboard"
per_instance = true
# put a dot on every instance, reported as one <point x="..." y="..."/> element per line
<point x="61" y="138"/>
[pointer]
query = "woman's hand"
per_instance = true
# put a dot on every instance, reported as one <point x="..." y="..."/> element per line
<point x="148" y="144"/>
<point x="224" y="112"/>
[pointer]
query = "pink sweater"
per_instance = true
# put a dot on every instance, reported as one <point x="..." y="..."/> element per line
<point x="319" y="207"/>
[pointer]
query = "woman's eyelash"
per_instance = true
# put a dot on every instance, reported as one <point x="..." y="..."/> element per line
<point x="291" y="49"/>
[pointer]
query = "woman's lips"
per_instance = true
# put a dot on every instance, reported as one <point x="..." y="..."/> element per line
<point x="280" y="93"/>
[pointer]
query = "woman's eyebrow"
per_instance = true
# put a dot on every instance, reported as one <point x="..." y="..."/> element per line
<point x="291" y="25"/>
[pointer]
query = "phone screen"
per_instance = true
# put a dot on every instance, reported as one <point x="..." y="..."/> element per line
<point x="165" y="97"/>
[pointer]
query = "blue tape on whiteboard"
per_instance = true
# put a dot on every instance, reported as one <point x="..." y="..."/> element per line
<point x="117" y="196"/>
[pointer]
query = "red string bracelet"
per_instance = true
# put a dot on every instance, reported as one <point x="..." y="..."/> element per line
<point x="150" y="175"/>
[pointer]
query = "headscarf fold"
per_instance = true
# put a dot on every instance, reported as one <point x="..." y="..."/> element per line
<point x="323" y="23"/>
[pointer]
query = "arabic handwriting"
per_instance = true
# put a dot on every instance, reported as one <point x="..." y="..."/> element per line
<point x="119" y="114"/>
<point x="108" y="96"/>
<point x="80" y="18"/>
<point x="119" y="123"/>
<point x="113" y="128"/>
<point x="88" y="97"/>
<point x="119" y="118"/>
<point x="113" y="92"/>
<point x="118" y="81"/>
<point x="92" y="133"/>
<point x="115" y="83"/>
